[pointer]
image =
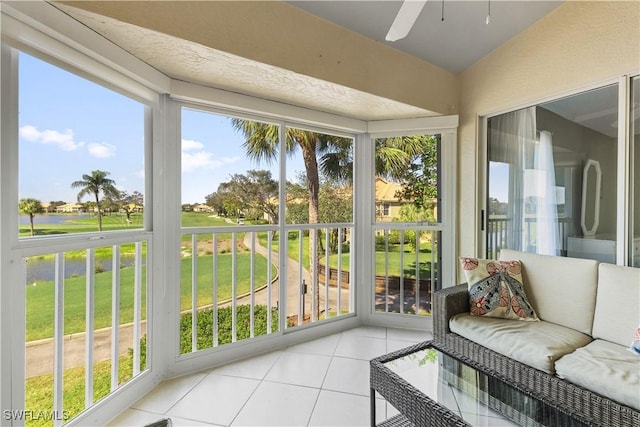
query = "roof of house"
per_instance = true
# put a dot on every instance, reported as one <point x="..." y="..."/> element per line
<point x="386" y="191"/>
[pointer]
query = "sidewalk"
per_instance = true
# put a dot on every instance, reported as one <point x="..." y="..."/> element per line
<point x="39" y="354"/>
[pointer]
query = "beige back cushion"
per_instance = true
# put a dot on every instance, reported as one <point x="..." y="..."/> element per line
<point x="617" y="304"/>
<point x="561" y="290"/>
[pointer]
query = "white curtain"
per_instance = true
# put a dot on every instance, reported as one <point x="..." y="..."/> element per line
<point x="545" y="195"/>
<point x="531" y="210"/>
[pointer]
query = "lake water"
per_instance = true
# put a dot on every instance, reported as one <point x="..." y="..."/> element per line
<point x="51" y="218"/>
<point x="44" y="269"/>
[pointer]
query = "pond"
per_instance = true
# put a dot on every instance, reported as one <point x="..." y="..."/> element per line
<point x="43" y="270"/>
<point x="51" y="218"/>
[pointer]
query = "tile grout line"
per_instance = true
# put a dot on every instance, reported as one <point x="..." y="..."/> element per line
<point x="262" y="380"/>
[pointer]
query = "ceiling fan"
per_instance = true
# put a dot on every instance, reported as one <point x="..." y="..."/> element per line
<point x="405" y="19"/>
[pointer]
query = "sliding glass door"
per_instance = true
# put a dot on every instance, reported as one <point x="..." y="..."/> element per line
<point x="553" y="180"/>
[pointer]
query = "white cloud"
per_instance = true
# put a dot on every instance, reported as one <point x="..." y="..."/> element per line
<point x="197" y="160"/>
<point x="102" y="150"/>
<point x="194" y="157"/>
<point x="190" y="144"/>
<point x="64" y="140"/>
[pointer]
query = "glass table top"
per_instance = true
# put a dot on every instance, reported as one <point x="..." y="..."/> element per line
<point x="475" y="397"/>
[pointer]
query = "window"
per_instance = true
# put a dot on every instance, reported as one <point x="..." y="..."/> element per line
<point x="81" y="154"/>
<point x="407" y="234"/>
<point x="81" y="169"/>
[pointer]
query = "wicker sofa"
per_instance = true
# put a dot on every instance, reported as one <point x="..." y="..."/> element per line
<point x="577" y="356"/>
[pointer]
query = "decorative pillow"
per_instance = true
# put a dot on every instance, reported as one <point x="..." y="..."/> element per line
<point x="496" y="290"/>
<point x="635" y="343"/>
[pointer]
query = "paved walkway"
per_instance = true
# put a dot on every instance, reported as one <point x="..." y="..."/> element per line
<point x="293" y="283"/>
<point x="39" y="354"/>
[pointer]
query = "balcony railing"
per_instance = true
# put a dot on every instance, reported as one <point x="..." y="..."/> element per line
<point x="86" y="309"/>
<point x="407" y="262"/>
<point x="498" y="234"/>
<point x="237" y="282"/>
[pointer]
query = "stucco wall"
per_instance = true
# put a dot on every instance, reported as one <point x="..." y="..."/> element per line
<point x="578" y="45"/>
<point x="282" y="35"/>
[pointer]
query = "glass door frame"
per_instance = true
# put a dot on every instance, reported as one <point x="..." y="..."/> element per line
<point x="623" y="177"/>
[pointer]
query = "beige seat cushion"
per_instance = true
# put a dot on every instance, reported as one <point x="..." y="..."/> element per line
<point x="618" y="304"/>
<point x="537" y="344"/>
<point x="606" y="368"/>
<point x="561" y="290"/>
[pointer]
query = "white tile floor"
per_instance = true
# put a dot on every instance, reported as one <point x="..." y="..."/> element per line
<point x="324" y="382"/>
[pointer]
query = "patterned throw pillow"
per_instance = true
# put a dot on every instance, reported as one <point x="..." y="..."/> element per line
<point x="496" y="290"/>
<point x="635" y="342"/>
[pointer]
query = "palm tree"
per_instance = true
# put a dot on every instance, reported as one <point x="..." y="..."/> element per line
<point x="30" y="207"/>
<point x="332" y="155"/>
<point x="94" y="184"/>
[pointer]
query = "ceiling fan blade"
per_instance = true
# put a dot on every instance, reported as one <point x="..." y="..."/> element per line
<point x="405" y="19"/>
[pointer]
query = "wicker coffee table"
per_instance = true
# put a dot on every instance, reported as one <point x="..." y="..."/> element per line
<point x="429" y="386"/>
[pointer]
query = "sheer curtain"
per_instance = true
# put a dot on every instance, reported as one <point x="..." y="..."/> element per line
<point x="532" y="225"/>
<point x="545" y="194"/>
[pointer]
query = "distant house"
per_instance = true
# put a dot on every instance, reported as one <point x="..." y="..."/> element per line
<point x="202" y="208"/>
<point x="387" y="204"/>
<point x="134" y="208"/>
<point x="70" y="208"/>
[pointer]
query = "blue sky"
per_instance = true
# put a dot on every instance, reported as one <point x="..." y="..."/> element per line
<point x="70" y="126"/>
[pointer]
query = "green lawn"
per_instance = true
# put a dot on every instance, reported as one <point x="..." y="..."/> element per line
<point x="40" y="304"/>
<point x="39" y="390"/>
<point x="293" y="249"/>
<point x="40" y="298"/>
<point x="113" y="222"/>
<point x="84" y="225"/>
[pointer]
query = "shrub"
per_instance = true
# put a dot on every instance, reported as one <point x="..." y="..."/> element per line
<point x="205" y="328"/>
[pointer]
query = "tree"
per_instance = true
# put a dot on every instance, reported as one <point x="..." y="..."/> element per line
<point x="331" y="155"/>
<point x="258" y="191"/>
<point x="216" y="201"/>
<point x="129" y="203"/>
<point x="95" y="184"/>
<point x="31" y="207"/>
<point x="420" y="177"/>
<point x="261" y="144"/>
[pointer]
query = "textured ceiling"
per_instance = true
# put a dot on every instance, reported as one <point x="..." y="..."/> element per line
<point x="191" y="62"/>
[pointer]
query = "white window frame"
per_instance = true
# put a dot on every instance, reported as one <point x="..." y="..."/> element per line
<point x="446" y="127"/>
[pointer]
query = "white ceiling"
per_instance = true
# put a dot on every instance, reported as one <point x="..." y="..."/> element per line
<point x="453" y="44"/>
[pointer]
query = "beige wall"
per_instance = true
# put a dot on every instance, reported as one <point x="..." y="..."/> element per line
<point x="576" y="46"/>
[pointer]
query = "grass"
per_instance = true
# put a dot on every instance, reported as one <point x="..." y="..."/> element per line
<point x="292" y="247"/>
<point x="408" y="268"/>
<point x="40" y="298"/>
<point x="84" y="225"/>
<point x="39" y="390"/>
<point x="40" y="304"/>
<point x="224" y="277"/>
